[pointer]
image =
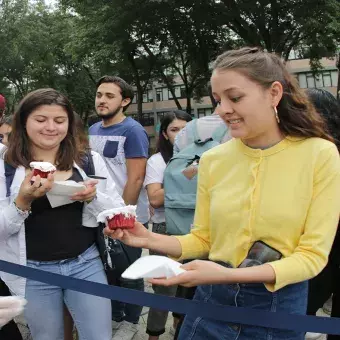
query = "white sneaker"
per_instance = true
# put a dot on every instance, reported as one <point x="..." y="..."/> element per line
<point x="327" y="307"/>
<point x="172" y="330"/>
<point x="116" y="325"/>
<point x="313" y="336"/>
<point x="126" y="331"/>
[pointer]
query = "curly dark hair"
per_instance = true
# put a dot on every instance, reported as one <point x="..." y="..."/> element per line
<point x="329" y="108"/>
<point x="164" y="146"/>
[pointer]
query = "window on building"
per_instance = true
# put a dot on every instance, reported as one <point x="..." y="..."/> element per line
<point x="318" y="81"/>
<point x="147" y="119"/>
<point x="310" y="80"/>
<point x="134" y="100"/>
<point x="159" y="95"/>
<point x="179" y="92"/>
<point x="302" y="80"/>
<point x="148" y="96"/>
<point x="182" y="90"/>
<point x="334" y="75"/>
<point x="201" y="113"/>
<point x="204" y="112"/>
<point x="165" y="93"/>
<point x="327" y="79"/>
<point x="322" y="79"/>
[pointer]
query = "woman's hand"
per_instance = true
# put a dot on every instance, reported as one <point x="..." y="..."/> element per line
<point x="88" y="194"/>
<point x="10" y="307"/>
<point x="136" y="237"/>
<point x="197" y="273"/>
<point x="32" y="188"/>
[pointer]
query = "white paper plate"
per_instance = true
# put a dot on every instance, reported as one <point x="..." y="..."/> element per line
<point x="154" y="266"/>
<point x="66" y="188"/>
<point x="62" y="191"/>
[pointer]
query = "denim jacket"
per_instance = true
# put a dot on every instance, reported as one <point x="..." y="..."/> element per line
<point x="12" y="226"/>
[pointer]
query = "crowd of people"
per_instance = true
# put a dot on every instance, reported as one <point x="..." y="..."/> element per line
<point x="264" y="232"/>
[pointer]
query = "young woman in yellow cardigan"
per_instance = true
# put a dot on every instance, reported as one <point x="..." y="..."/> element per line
<point x="267" y="201"/>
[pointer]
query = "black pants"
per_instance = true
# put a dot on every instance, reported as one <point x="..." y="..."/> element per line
<point x="321" y="288"/>
<point x="11" y="330"/>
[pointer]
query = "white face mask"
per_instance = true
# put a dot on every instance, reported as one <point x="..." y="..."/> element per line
<point x="153" y="267"/>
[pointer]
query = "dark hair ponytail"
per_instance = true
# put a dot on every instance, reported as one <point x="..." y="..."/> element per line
<point x="164" y="146"/>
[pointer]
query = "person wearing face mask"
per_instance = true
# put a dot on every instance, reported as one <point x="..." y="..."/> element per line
<point x="172" y="123"/>
<point x="267" y="201"/>
<point x="59" y="239"/>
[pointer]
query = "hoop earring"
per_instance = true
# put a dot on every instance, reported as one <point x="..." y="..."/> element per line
<point x="276" y="115"/>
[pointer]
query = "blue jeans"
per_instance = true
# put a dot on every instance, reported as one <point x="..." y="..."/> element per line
<point x="290" y="299"/>
<point x="91" y="314"/>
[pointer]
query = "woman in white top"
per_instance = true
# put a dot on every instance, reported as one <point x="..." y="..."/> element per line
<point x="172" y="123"/>
<point x="59" y="239"/>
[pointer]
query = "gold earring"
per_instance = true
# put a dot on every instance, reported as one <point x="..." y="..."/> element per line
<point x="276" y="115"/>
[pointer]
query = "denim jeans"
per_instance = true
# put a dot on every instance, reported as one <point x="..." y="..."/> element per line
<point x="91" y="314"/>
<point x="290" y="299"/>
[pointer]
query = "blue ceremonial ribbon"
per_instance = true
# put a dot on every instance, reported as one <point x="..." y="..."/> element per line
<point x="234" y="315"/>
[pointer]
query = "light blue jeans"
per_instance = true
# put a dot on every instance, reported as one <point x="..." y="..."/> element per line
<point x="91" y="314"/>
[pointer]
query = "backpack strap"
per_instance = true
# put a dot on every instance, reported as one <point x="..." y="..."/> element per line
<point x="9" y="175"/>
<point x="88" y="165"/>
<point x="219" y="133"/>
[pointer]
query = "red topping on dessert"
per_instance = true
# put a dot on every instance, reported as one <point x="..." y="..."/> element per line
<point x="42" y="174"/>
<point x="121" y="221"/>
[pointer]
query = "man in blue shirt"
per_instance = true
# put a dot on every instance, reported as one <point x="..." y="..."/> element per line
<point x="123" y="143"/>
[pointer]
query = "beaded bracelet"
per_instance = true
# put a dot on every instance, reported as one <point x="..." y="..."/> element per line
<point x="22" y="212"/>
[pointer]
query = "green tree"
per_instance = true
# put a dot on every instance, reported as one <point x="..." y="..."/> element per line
<point x="311" y="26"/>
<point x="36" y="52"/>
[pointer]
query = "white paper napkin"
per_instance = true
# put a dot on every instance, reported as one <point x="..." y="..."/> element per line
<point x="154" y="266"/>
<point x="61" y="192"/>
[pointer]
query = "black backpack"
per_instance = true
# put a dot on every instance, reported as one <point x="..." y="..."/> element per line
<point x="113" y="253"/>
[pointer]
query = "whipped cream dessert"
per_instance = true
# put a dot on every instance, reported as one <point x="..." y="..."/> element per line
<point x="42" y="169"/>
<point x="123" y="217"/>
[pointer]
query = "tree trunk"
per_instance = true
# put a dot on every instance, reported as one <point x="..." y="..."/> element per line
<point x="188" y="109"/>
<point x="139" y="103"/>
<point x="139" y="86"/>
<point x="86" y="117"/>
<point x="338" y="67"/>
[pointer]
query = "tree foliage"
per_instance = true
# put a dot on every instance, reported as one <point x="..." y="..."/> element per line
<point x="146" y="41"/>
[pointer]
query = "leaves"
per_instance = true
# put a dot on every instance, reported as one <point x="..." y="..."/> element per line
<point x="146" y="41"/>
